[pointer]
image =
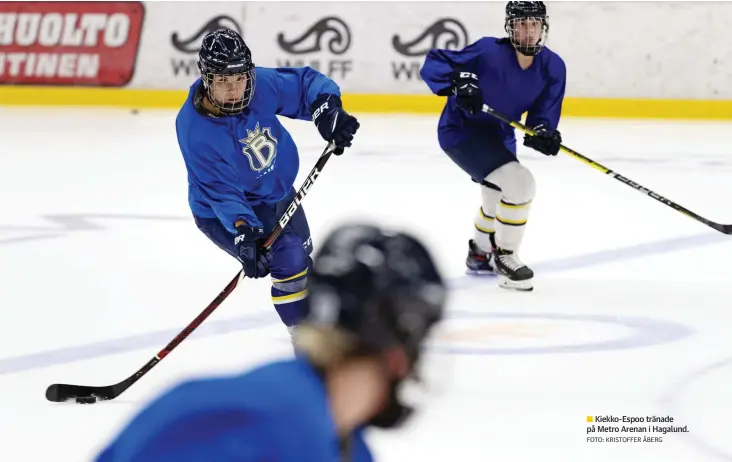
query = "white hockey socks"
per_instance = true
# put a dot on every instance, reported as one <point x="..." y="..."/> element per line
<point x="511" y="222"/>
<point x="485" y="225"/>
<point x="518" y="189"/>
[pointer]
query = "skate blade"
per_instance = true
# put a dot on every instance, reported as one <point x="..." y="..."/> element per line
<point x="521" y="286"/>
<point x="473" y="272"/>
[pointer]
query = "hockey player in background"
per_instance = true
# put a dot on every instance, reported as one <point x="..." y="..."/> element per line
<point x="513" y="75"/>
<point x="375" y="296"/>
<point x="242" y="162"/>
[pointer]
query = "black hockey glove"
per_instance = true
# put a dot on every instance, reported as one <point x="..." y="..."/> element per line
<point x="333" y="122"/>
<point x="248" y="244"/>
<point x="467" y="92"/>
<point x="546" y="141"/>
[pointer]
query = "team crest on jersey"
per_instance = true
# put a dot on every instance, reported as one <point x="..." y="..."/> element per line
<point x="260" y="147"/>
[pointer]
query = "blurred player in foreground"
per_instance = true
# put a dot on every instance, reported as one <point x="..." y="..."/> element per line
<point x="513" y="75"/>
<point x="242" y="163"/>
<point x="375" y="297"/>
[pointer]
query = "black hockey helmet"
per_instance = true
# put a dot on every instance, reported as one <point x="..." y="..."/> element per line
<point x="224" y="59"/>
<point x="382" y="287"/>
<point x="520" y="17"/>
<point x="385" y="290"/>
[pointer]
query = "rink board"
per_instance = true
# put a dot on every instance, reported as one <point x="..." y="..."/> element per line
<point x="143" y="54"/>
<point x="373" y="103"/>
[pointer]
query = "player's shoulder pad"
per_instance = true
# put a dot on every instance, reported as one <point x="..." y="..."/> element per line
<point x="554" y="63"/>
<point x="185" y="109"/>
<point x="266" y="92"/>
<point x="496" y="41"/>
<point x="551" y="53"/>
<point x="270" y="384"/>
<point x="265" y="72"/>
<point x="488" y="42"/>
<point x="190" y="124"/>
<point x="266" y="79"/>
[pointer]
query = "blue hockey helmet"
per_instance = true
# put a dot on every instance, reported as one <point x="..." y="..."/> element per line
<point x="527" y="25"/>
<point x="227" y="70"/>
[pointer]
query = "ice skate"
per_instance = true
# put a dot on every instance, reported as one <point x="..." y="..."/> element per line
<point x="479" y="262"/>
<point x="512" y="272"/>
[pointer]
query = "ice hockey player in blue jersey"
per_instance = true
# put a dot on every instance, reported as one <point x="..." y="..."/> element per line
<point x="242" y="162"/>
<point x="513" y="75"/>
<point x="375" y="296"/>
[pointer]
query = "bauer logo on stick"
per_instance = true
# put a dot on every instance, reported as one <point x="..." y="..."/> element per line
<point x="298" y="198"/>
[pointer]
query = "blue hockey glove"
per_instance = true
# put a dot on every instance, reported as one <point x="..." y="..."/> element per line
<point x="333" y="122"/>
<point x="467" y="92"/>
<point x="248" y="244"/>
<point x="546" y="141"/>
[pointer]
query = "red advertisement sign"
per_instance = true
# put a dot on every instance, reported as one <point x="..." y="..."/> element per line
<point x="69" y="43"/>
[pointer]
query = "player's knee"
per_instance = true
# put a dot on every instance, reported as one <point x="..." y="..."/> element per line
<point x="289" y="254"/>
<point x="517" y="183"/>
<point x="289" y="281"/>
<point x="289" y="265"/>
<point x="298" y="258"/>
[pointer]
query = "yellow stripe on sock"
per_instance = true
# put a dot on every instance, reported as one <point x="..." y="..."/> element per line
<point x="282" y="299"/>
<point x="511" y="222"/>
<point x="484" y="215"/>
<point x="514" y="206"/>
<point x="301" y="273"/>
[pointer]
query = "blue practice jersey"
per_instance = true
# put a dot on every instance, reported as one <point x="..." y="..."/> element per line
<point x="506" y="87"/>
<point x="236" y="162"/>
<point x="276" y="413"/>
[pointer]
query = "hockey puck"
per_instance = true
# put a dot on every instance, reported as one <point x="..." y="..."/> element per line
<point x="86" y="400"/>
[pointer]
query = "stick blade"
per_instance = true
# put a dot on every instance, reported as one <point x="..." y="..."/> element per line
<point x="724" y="229"/>
<point x="61" y="392"/>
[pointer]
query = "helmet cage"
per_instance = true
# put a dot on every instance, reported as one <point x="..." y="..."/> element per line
<point x="209" y="77"/>
<point x="511" y="26"/>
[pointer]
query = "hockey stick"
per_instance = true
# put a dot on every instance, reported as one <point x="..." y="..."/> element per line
<point x="726" y="229"/>
<point x="88" y="395"/>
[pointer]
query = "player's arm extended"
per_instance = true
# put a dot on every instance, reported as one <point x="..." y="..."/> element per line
<point x="217" y="181"/>
<point x="440" y="64"/>
<point x="298" y="88"/>
<point x="547" y="109"/>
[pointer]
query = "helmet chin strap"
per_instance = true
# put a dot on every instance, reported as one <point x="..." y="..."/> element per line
<point x="528" y="50"/>
<point x="395" y="412"/>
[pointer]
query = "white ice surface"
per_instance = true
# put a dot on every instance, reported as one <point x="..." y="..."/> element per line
<point x="91" y="306"/>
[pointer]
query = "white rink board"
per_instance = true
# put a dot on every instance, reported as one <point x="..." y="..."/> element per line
<point x="159" y="63"/>
<point x="612" y="49"/>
